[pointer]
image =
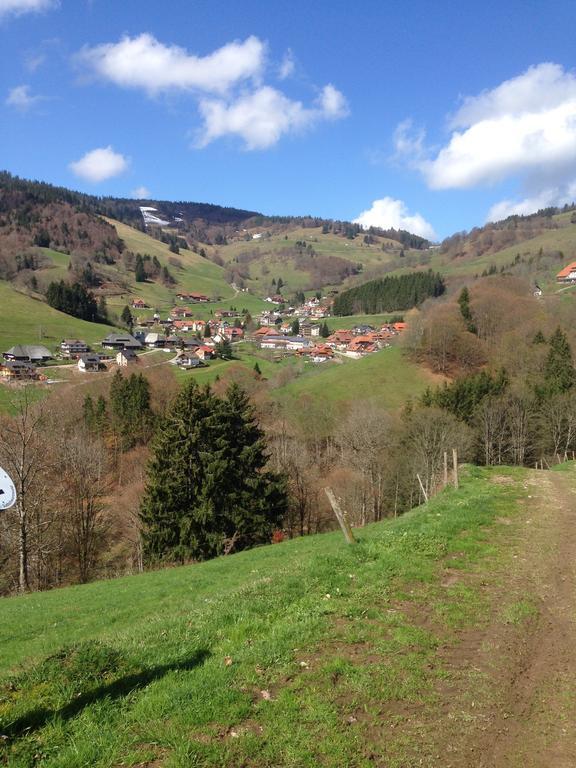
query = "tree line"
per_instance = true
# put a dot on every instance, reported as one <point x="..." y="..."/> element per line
<point x="389" y="294"/>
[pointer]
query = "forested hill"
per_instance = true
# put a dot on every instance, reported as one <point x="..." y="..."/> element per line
<point x="389" y="294"/>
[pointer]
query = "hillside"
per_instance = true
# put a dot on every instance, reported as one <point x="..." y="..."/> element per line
<point x="313" y="653"/>
<point x="24" y="320"/>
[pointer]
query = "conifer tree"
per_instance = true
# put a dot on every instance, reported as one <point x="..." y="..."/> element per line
<point x="207" y="487"/>
<point x="559" y="367"/>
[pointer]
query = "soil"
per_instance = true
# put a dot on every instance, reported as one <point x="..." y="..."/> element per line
<point x="507" y="696"/>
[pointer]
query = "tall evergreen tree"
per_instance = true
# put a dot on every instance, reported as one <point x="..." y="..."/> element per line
<point x="207" y="488"/>
<point x="559" y="371"/>
<point x="127" y="318"/>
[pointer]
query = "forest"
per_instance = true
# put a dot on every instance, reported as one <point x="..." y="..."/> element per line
<point x="389" y="294"/>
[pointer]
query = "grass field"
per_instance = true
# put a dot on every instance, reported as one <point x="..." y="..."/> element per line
<point x="386" y="378"/>
<point x="293" y="655"/>
<point x="24" y="320"/>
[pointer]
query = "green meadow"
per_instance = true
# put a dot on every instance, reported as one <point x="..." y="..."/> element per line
<point x="285" y="655"/>
<point x="24" y="320"/>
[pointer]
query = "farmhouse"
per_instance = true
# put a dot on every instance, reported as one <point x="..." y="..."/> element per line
<point x="73" y="348"/>
<point x="126" y="357"/>
<point x="28" y="353"/>
<point x="205" y="353"/>
<point x="139" y="304"/>
<point x="568" y="274"/>
<point x="154" y="341"/>
<point x="188" y="360"/>
<point x="17" y="369"/>
<point x="120" y="341"/>
<point x="89" y="363"/>
<point x="180" y="312"/>
<point x="198" y="298"/>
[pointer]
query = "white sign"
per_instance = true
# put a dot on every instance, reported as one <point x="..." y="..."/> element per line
<point x="7" y="491"/>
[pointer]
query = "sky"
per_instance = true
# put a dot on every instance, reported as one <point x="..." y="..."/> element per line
<point x="431" y="117"/>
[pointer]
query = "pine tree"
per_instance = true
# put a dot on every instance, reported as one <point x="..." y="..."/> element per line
<point x="207" y="487"/>
<point x="139" y="271"/>
<point x="324" y="330"/>
<point x="257" y="370"/>
<point x="559" y="371"/>
<point x="88" y="412"/>
<point x="127" y="318"/>
<point x="295" y="327"/>
<point x="465" y="311"/>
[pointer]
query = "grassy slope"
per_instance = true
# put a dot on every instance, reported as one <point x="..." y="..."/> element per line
<point x="197" y="275"/>
<point x="386" y="378"/>
<point x="27" y="321"/>
<point x="292" y="655"/>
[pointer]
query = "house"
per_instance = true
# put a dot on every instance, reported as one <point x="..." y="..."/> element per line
<point x="399" y="327"/>
<point x="17" y="369"/>
<point x="361" y="346"/>
<point x="183" y="325"/>
<point x="28" y="353"/>
<point x="154" y="341"/>
<point x="198" y="298"/>
<point x="568" y="274"/>
<point x="309" y="329"/>
<point x="234" y="334"/>
<point x="222" y="313"/>
<point x="120" y="341"/>
<point x="188" y="360"/>
<point x="276" y="299"/>
<point x="180" y="312"/>
<point x="205" y="352"/>
<point x="139" y="304"/>
<point x="126" y="357"/>
<point x="340" y="339"/>
<point x="89" y="363"/>
<point x="318" y="354"/>
<point x="73" y="348"/>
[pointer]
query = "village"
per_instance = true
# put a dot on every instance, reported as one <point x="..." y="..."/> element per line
<point x="280" y="331"/>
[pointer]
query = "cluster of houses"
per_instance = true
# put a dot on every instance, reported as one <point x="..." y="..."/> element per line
<point x="356" y="342"/>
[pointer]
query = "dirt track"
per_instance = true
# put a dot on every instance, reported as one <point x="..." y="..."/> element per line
<point x="510" y="698"/>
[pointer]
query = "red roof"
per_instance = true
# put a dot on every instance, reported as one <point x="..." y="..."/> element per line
<point x="567" y="270"/>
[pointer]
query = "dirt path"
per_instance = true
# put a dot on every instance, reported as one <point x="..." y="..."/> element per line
<point x="510" y="697"/>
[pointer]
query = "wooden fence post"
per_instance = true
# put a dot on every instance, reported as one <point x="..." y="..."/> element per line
<point x="340" y="516"/>
<point x="445" y="468"/>
<point x="455" y="466"/>
<point x="423" y="489"/>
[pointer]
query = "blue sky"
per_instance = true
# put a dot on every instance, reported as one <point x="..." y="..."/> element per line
<point x="430" y="116"/>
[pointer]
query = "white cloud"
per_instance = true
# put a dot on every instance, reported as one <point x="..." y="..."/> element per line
<point x="141" y="193"/>
<point x="100" y="165"/>
<point x="19" y="7"/>
<point x="553" y="196"/>
<point x="21" y="99"/>
<point x="144" y="62"/>
<point x="287" y="66"/>
<point x="525" y="128"/>
<point x="263" y="116"/>
<point x="389" y="213"/>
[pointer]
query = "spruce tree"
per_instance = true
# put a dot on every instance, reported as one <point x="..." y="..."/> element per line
<point x="207" y="486"/>
<point x="559" y="367"/>
<point x="127" y="318"/>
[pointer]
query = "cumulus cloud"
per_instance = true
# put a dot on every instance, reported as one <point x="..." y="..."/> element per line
<point x="522" y="130"/>
<point x="263" y="116"/>
<point x="21" y="99"/>
<point x="99" y="165"/>
<point x="389" y="213"/>
<point x="144" y="62"/>
<point x="19" y="7"/>
<point x="228" y="84"/>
